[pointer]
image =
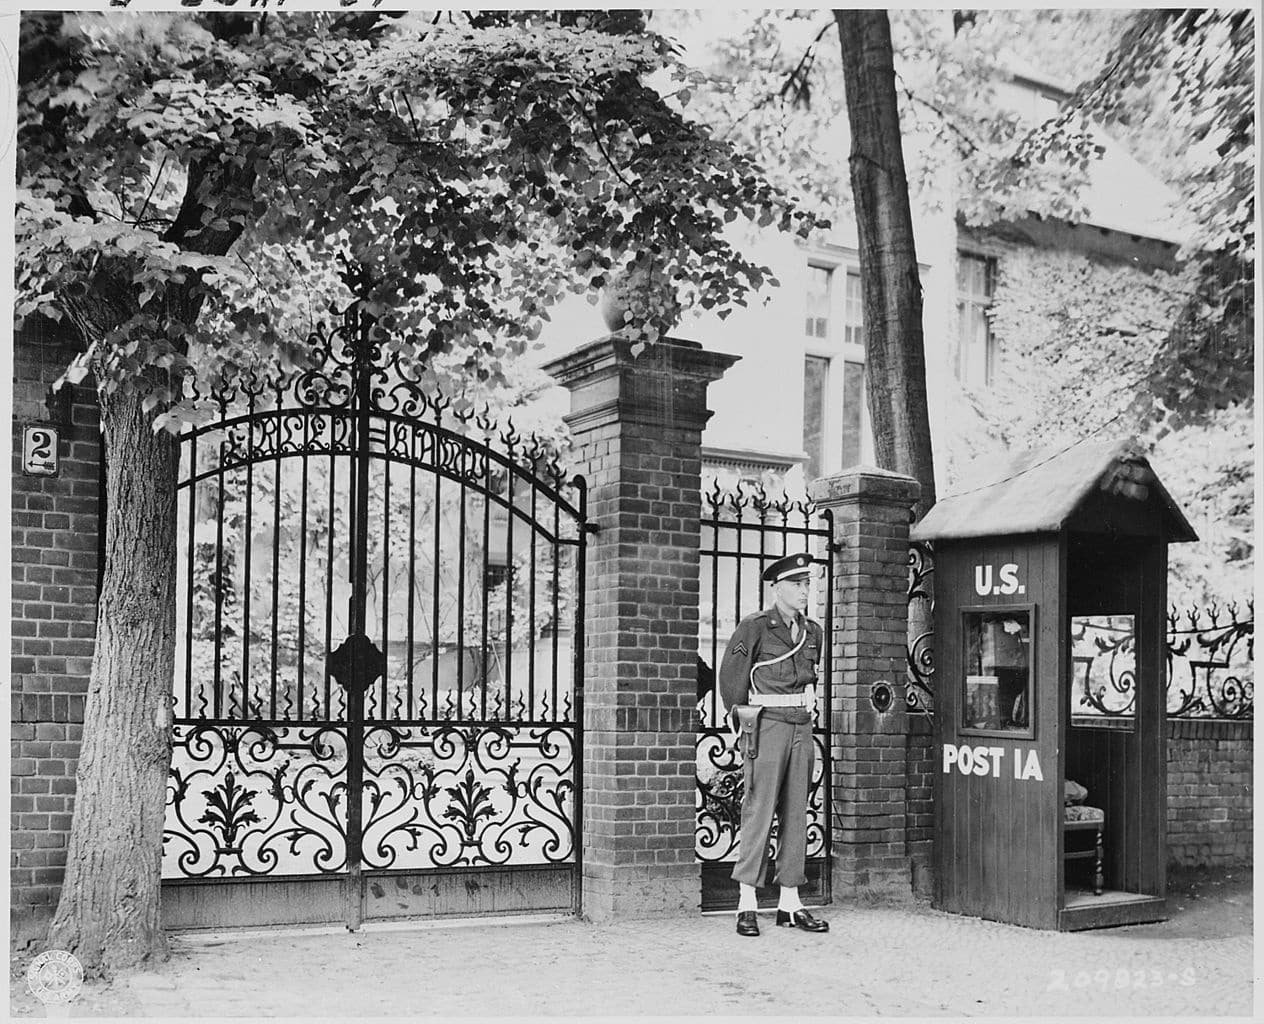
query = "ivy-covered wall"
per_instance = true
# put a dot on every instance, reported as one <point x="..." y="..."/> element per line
<point x="1077" y="330"/>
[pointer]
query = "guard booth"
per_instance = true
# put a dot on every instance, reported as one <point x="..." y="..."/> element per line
<point x="1049" y="728"/>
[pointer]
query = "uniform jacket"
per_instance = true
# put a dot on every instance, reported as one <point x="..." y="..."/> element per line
<point x="760" y="637"/>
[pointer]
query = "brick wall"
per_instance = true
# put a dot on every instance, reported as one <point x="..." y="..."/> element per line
<point x="640" y="682"/>
<point x="919" y="752"/>
<point x="54" y="558"/>
<point x="637" y="423"/>
<point x="1209" y="790"/>
<point x="869" y="788"/>
<point x="643" y="467"/>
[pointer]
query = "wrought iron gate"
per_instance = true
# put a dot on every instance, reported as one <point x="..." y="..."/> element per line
<point x="378" y="692"/>
<point x="742" y="532"/>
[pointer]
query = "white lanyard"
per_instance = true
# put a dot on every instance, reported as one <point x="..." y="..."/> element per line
<point x="780" y="658"/>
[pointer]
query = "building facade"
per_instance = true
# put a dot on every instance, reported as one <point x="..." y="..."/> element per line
<point x="794" y="409"/>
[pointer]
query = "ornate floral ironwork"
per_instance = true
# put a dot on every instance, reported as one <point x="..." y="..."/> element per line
<point x="1219" y="657"/>
<point x="920" y="693"/>
<point x="273" y="801"/>
<point x="258" y="417"/>
<point x="718" y="804"/>
<point x="458" y="744"/>
<point x="1210" y="656"/>
<point x="469" y="802"/>
<point x="469" y="796"/>
<point x="1104" y="665"/>
<point x="228" y="809"/>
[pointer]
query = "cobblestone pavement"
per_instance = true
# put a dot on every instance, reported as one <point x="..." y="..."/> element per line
<point x="878" y="960"/>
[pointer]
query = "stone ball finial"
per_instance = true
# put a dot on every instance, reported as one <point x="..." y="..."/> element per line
<point x="642" y="291"/>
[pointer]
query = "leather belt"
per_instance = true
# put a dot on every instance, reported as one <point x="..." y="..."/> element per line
<point x="806" y="699"/>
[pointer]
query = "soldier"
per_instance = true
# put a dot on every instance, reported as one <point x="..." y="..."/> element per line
<point x="767" y="681"/>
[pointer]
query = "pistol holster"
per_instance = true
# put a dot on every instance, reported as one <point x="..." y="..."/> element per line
<point x="746" y="725"/>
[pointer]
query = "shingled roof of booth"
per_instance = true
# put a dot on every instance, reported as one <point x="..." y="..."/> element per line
<point x="1038" y="492"/>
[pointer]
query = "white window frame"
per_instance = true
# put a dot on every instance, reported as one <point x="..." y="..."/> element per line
<point x="991" y="347"/>
<point x="833" y="347"/>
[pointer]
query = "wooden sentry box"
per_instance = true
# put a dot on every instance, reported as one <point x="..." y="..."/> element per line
<point x="1050" y="544"/>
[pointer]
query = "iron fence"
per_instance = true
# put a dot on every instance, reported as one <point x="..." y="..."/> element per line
<point x="742" y="532"/>
<point x="920" y="670"/>
<point x="1210" y="656"/>
<point x="381" y="625"/>
<point x="1210" y="653"/>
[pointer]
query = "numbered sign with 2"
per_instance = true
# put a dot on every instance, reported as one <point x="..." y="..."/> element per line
<point x="39" y="450"/>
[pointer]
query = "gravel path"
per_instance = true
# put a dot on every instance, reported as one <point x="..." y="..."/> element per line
<point x="889" y="960"/>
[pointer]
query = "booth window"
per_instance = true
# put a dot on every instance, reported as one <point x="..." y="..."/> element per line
<point x="998" y="670"/>
<point x="1104" y="671"/>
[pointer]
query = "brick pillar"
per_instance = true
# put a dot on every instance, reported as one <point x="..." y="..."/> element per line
<point x="869" y="717"/>
<point x="637" y="423"/>
<point x="54" y="543"/>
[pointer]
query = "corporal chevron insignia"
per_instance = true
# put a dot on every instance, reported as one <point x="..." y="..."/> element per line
<point x="740" y="648"/>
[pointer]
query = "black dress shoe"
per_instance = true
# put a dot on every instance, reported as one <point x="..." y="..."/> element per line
<point x="800" y="919"/>
<point x="746" y="923"/>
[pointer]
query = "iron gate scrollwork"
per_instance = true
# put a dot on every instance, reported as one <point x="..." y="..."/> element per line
<point x="742" y="532"/>
<point x="920" y="655"/>
<point x="379" y="630"/>
<point x="1209" y="655"/>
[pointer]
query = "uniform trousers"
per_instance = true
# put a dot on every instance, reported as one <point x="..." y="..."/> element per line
<point x="777" y="780"/>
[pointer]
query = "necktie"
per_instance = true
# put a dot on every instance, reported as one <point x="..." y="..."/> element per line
<point x="794" y="631"/>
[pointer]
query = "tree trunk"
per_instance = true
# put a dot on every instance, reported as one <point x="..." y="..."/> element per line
<point x="109" y="914"/>
<point x="892" y="294"/>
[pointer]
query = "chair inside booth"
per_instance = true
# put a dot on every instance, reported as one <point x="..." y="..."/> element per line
<point x="1080" y="820"/>
<point x="1103" y="696"/>
<point x="1104" y="788"/>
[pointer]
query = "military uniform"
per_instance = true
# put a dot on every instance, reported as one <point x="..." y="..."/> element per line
<point x="772" y="661"/>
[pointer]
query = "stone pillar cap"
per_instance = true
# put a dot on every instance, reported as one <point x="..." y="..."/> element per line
<point x="614" y="351"/>
<point x="865" y="483"/>
<point x="665" y="385"/>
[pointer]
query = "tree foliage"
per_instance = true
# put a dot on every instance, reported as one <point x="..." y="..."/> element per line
<point x="1181" y="84"/>
<point x="196" y="191"/>
<point x="1169" y="356"/>
<point x="775" y="82"/>
<point x="1086" y="344"/>
<point x="188" y="185"/>
<point x="1175" y="85"/>
<point x="1079" y="337"/>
